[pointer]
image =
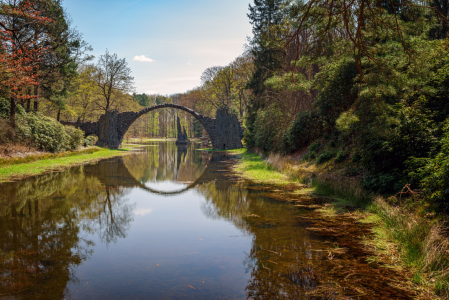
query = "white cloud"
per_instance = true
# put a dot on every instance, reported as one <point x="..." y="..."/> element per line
<point x="142" y="58"/>
<point x="142" y="211"/>
<point x="190" y="64"/>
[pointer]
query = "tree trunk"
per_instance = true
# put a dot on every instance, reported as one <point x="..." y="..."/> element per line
<point x="12" y="113"/>
<point x="59" y="115"/>
<point x="445" y="19"/>
<point x="36" y="98"/>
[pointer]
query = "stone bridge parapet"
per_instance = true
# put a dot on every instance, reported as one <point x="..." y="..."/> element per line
<point x="225" y="131"/>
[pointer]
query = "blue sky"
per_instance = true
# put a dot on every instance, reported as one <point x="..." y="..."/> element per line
<point x="182" y="38"/>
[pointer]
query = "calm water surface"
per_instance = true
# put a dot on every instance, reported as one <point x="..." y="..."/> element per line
<point x="164" y="223"/>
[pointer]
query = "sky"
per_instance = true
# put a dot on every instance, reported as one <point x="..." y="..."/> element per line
<point x="167" y="43"/>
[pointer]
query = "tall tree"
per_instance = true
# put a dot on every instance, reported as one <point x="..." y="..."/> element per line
<point x="20" y="49"/>
<point x="113" y="77"/>
<point x="266" y="16"/>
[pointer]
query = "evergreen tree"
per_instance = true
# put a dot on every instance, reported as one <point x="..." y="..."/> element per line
<point x="265" y="16"/>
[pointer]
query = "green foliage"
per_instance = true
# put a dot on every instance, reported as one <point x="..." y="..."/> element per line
<point x="341" y="156"/>
<point x="75" y="137"/>
<point x="265" y="131"/>
<point x="336" y="90"/>
<point x="306" y="128"/>
<point x="142" y="99"/>
<point x="324" y="157"/>
<point x="314" y="147"/>
<point x="346" y="121"/>
<point x="352" y="171"/>
<point x="387" y="144"/>
<point x="356" y="157"/>
<point x="91" y="140"/>
<point x="46" y="133"/>
<point x="383" y="183"/>
<point x="432" y="174"/>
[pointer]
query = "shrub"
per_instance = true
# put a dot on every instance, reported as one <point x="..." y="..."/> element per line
<point x="356" y="157"/>
<point x="341" y="157"/>
<point x="310" y="155"/>
<point x="7" y="133"/>
<point x="352" y="171"/>
<point x="46" y="133"/>
<point x="75" y="137"/>
<point x="314" y="147"/>
<point x="91" y="140"/>
<point x="303" y="130"/>
<point x="266" y="131"/>
<point x="337" y="91"/>
<point x="324" y="157"/>
<point x="384" y="183"/>
<point x="432" y="174"/>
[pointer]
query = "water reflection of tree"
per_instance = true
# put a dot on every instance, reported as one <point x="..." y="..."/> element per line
<point x="281" y="261"/>
<point x="40" y="238"/>
<point x="40" y="223"/>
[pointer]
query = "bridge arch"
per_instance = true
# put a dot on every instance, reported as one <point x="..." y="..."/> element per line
<point x="225" y="131"/>
<point x="128" y="118"/>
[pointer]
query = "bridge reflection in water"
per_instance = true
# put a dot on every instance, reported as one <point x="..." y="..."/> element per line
<point x="81" y="234"/>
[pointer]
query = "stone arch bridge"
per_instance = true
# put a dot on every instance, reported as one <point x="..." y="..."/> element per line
<point x="224" y="130"/>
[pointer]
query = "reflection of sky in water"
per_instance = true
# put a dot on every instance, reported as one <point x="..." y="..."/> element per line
<point x="166" y="186"/>
<point x="170" y="245"/>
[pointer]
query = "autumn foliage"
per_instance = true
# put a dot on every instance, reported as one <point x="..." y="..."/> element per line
<point x="21" y="49"/>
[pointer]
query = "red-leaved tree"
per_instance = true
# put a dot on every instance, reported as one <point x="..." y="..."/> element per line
<point x="21" y="50"/>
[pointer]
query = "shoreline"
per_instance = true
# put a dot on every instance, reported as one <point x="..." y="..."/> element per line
<point x="15" y="169"/>
<point x="383" y="219"/>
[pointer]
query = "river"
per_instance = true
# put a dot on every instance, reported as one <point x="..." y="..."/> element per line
<point x="165" y="222"/>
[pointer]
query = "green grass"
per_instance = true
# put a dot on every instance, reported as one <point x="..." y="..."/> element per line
<point x="19" y="171"/>
<point x="253" y="167"/>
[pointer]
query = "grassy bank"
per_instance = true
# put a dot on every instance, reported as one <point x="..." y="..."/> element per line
<point x="19" y="168"/>
<point x="406" y="235"/>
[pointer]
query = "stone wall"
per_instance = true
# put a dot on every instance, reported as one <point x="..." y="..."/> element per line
<point x="229" y="132"/>
<point x="89" y="128"/>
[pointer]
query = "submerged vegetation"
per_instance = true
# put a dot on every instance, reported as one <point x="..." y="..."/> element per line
<point x="405" y="236"/>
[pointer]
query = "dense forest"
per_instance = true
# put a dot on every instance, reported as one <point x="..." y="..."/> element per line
<point x="361" y="82"/>
<point x="364" y="82"/>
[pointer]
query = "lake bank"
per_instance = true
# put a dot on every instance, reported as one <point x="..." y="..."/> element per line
<point x="18" y="168"/>
<point x="401" y="238"/>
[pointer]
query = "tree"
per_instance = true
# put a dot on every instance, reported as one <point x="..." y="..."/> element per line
<point x="58" y="66"/>
<point x="113" y="77"/>
<point x="20" y="49"/>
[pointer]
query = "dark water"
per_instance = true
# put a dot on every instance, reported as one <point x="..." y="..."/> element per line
<point x="164" y="223"/>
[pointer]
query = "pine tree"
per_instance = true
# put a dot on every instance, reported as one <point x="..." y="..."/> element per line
<point x="264" y="15"/>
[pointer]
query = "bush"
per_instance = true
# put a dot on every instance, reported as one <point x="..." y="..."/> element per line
<point x="324" y="157"/>
<point x="305" y="128"/>
<point x="7" y="133"/>
<point x="432" y="174"/>
<point x="46" y="133"/>
<point x="386" y="183"/>
<point x="411" y="134"/>
<point x="337" y="91"/>
<point x="341" y="157"/>
<point x="352" y="171"/>
<point x="76" y="137"/>
<point x="91" y="140"/>
<point x="309" y="156"/>
<point x="314" y="147"/>
<point x="356" y="157"/>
